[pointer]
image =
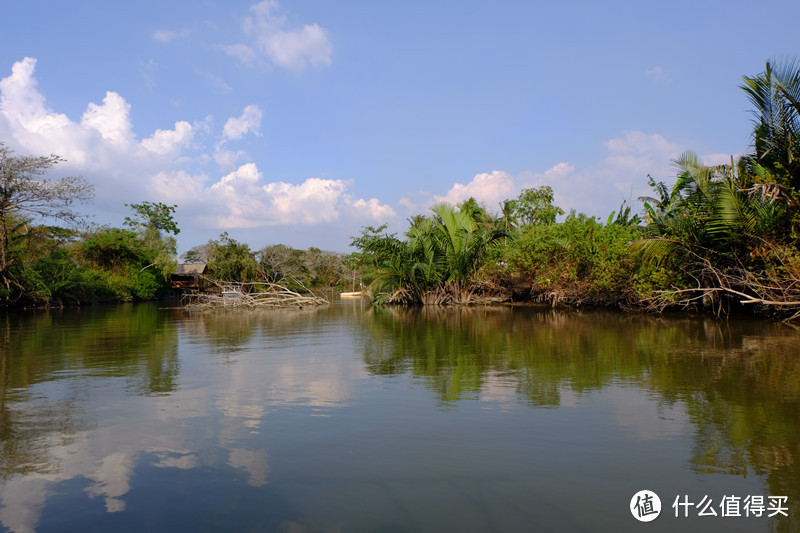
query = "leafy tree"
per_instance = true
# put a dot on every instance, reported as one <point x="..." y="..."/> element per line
<point x="153" y="216"/>
<point x="327" y="269"/>
<point x="198" y="254"/>
<point x="231" y="260"/>
<point x="150" y="220"/>
<point x="462" y="240"/>
<point x="131" y="262"/>
<point x="723" y="245"/>
<point x="64" y="278"/>
<point x="299" y="269"/>
<point x="114" y="249"/>
<point x="46" y="263"/>
<point x="24" y="192"/>
<point x="666" y="204"/>
<point x="122" y="265"/>
<point x="279" y="263"/>
<point x="535" y="206"/>
<point x="384" y="257"/>
<point x="730" y="231"/>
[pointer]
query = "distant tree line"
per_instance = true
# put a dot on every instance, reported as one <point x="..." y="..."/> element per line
<point x="43" y="265"/>
<point x="719" y="238"/>
<point x="231" y="260"/>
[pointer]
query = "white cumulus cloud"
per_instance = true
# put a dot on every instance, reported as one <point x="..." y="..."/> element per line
<point x="180" y="187"/>
<point x="23" y="103"/>
<point x="269" y="38"/>
<point x="248" y="122"/>
<point x="621" y="175"/>
<point x="489" y="189"/>
<point x="313" y="201"/>
<point x="226" y="159"/>
<point x="241" y="199"/>
<point x="104" y="149"/>
<point x="241" y="51"/>
<point x="238" y="196"/>
<point x="595" y="189"/>
<point x="163" y="142"/>
<point x="552" y="176"/>
<point x="374" y="209"/>
<point x="111" y="119"/>
<point x="26" y="121"/>
<point x="637" y="153"/>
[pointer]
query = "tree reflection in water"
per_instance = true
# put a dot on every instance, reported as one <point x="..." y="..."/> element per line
<point x="112" y="398"/>
<point x="739" y="381"/>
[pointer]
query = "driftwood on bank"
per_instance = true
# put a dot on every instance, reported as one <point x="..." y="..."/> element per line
<point x="772" y="292"/>
<point x="251" y="295"/>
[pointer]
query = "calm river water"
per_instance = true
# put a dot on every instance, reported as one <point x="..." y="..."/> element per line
<point x="136" y="418"/>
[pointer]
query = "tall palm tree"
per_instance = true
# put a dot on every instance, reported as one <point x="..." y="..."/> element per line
<point x="508" y="214"/>
<point x="775" y="94"/>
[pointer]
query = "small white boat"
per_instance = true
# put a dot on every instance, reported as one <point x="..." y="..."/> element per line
<point x="351" y="294"/>
<point x="354" y="293"/>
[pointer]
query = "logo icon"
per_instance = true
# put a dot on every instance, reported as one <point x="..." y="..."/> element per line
<point x="645" y="506"/>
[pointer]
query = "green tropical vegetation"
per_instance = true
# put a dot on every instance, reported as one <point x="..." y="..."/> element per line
<point x="718" y="238"/>
<point x="45" y="265"/>
<point x="438" y="261"/>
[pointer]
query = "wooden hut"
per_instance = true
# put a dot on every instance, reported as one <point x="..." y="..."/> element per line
<point x="189" y="277"/>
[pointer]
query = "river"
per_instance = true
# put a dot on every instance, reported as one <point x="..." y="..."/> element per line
<point x="348" y="418"/>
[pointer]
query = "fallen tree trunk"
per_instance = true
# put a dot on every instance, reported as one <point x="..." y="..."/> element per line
<point x="251" y="295"/>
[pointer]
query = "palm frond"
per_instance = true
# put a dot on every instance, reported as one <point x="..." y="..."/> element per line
<point x="787" y="82"/>
<point x="657" y="250"/>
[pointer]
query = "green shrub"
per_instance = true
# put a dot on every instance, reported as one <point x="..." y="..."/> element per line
<point x="578" y="250"/>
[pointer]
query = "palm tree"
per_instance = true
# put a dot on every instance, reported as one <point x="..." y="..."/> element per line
<point x="775" y="94"/>
<point x="438" y="259"/>
<point x="476" y="212"/>
<point x="664" y="207"/>
<point x="705" y="212"/>
<point x="464" y="241"/>
<point x="508" y="214"/>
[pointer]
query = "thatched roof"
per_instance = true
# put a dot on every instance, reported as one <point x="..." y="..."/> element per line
<point x="191" y="269"/>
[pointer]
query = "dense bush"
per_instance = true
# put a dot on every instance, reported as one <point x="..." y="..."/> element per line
<point x="580" y="253"/>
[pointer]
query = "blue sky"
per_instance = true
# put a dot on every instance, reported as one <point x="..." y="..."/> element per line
<point x="299" y="122"/>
